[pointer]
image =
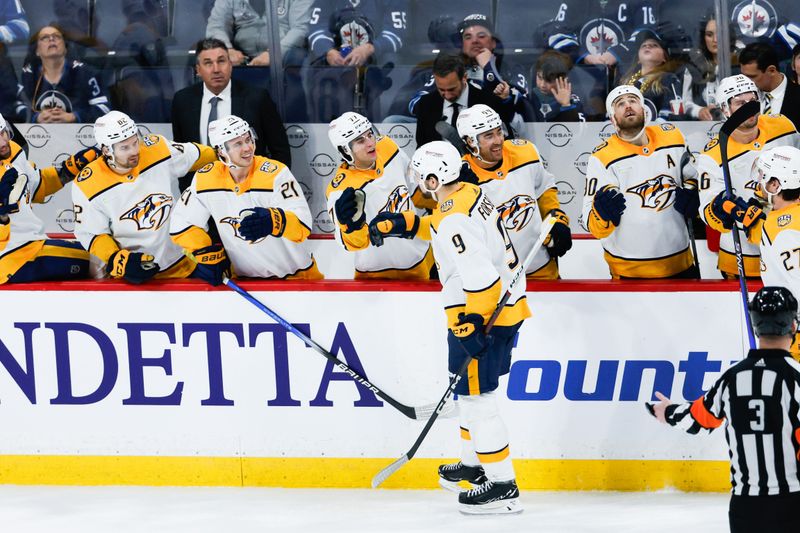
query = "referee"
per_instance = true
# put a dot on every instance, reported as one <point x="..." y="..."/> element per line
<point x="758" y="397"/>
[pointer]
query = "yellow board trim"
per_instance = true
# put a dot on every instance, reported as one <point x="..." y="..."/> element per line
<point x="293" y="472"/>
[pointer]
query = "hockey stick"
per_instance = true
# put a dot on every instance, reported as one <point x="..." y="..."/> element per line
<point x="450" y="134"/>
<point x="416" y="413"/>
<point x="380" y="477"/>
<point x="734" y="121"/>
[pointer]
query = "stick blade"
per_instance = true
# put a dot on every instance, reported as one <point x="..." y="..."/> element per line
<point x="740" y="116"/>
<point x="384" y="474"/>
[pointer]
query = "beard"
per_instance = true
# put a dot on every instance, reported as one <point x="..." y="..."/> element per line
<point x="631" y="126"/>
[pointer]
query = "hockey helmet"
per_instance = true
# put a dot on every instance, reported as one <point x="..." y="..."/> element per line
<point x="439" y="159"/>
<point x="225" y="129"/>
<point x="774" y="311"/>
<point x="619" y="91"/>
<point x="475" y="120"/>
<point x="734" y="86"/>
<point x="346" y="129"/>
<point x="112" y="128"/>
<point x="4" y="127"/>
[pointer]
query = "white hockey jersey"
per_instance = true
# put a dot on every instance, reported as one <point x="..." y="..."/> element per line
<point x="780" y="249"/>
<point x="773" y="130"/>
<point x="524" y="192"/>
<point x="651" y="240"/>
<point x="387" y="189"/>
<point x="135" y="209"/>
<point x="476" y="258"/>
<point x="213" y="193"/>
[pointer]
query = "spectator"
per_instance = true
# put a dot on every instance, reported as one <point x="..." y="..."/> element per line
<point x="759" y="62"/>
<point x="244" y="27"/>
<point x="700" y="79"/>
<point x="552" y="97"/>
<point x="453" y="93"/>
<point x="58" y="87"/>
<point x="794" y="66"/>
<point x="13" y="24"/>
<point x="11" y="107"/>
<point x="217" y="96"/>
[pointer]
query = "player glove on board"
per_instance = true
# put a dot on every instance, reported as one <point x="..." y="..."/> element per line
<point x="349" y="209"/>
<point x="687" y="202"/>
<point x="405" y="225"/>
<point x="10" y="191"/>
<point x="560" y="236"/>
<point x="261" y="222"/>
<point x="213" y="264"/>
<point x="609" y="204"/>
<point x="470" y="333"/>
<point x="70" y="168"/>
<point x="134" y="267"/>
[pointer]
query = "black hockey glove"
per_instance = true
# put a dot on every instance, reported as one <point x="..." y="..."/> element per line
<point x="687" y="202"/>
<point x="470" y="333"/>
<point x="262" y="222"/>
<point x="467" y="175"/>
<point x="70" y="168"/>
<point x="349" y="208"/>
<point x="133" y="267"/>
<point x="404" y="225"/>
<point x="609" y="204"/>
<point x="213" y="265"/>
<point x="7" y="184"/>
<point x="718" y="212"/>
<point x="560" y="235"/>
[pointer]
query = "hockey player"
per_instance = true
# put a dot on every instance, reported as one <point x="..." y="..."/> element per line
<point x="476" y="263"/>
<point x="640" y="190"/>
<point x="512" y="175"/>
<point x="720" y="211"/>
<point x="258" y="206"/>
<point x="371" y="180"/>
<point x="779" y="177"/>
<point x="26" y="254"/>
<point x="757" y="401"/>
<point x="124" y="199"/>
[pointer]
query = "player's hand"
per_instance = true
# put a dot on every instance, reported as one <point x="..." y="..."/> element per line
<point x="404" y="225"/>
<point x="687" y="202"/>
<point x="262" y="222"/>
<point x="9" y="201"/>
<point x="213" y="265"/>
<point x="359" y="55"/>
<point x="659" y="409"/>
<point x="562" y="91"/>
<point x="133" y="267"/>
<point x="236" y="57"/>
<point x="560" y="238"/>
<point x="748" y="213"/>
<point x="609" y="204"/>
<point x="718" y="212"/>
<point x="470" y="333"/>
<point x="70" y="168"/>
<point x="483" y="57"/>
<point x="349" y="209"/>
<point x="261" y="60"/>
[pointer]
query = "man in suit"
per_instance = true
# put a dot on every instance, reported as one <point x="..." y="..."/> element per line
<point x="759" y="62"/>
<point x="453" y="94"/>
<point x="217" y="96"/>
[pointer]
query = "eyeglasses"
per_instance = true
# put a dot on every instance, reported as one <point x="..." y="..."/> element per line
<point x="56" y="37"/>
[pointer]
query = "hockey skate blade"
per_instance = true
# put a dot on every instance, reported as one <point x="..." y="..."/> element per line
<point x="451" y="486"/>
<point x="512" y="506"/>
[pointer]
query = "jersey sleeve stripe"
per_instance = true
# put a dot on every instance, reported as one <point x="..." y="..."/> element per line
<point x="154" y="163"/>
<point x="526" y="163"/>
<point x="492" y="284"/>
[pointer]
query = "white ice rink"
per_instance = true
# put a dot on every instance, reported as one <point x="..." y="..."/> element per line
<point x="50" y="509"/>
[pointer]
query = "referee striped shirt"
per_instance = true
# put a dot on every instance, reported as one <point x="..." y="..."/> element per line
<point x="757" y="399"/>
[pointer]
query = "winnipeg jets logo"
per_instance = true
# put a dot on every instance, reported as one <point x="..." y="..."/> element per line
<point x="235" y="222"/>
<point x="656" y="193"/>
<point x="152" y="212"/>
<point x="598" y="35"/>
<point x="354" y="34"/>
<point x="755" y="18"/>
<point x="517" y="212"/>
<point x="397" y="201"/>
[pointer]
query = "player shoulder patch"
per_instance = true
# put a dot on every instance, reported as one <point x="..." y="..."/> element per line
<point x="446" y="206"/>
<point x="337" y="180"/>
<point x="150" y="140"/>
<point x="667" y="126"/>
<point x="206" y="168"/>
<point x="268" y="167"/>
<point x="784" y="220"/>
<point x="600" y="147"/>
<point x="85" y="174"/>
<point x="519" y="142"/>
<point x="711" y="144"/>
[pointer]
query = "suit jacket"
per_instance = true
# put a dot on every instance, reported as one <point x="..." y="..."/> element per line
<point x="429" y="111"/>
<point x="791" y="104"/>
<point x="250" y="103"/>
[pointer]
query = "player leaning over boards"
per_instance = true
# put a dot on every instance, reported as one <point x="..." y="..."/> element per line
<point x="758" y="400"/>
<point x="511" y="173"/>
<point x="779" y="177"/>
<point x="640" y="190"/>
<point x="26" y="254"/>
<point x="257" y="204"/>
<point x="124" y="199"/>
<point x="371" y="180"/>
<point x="476" y="262"/>
<point x="720" y="212"/>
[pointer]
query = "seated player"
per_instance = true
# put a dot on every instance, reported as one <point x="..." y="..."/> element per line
<point x="257" y="205"/>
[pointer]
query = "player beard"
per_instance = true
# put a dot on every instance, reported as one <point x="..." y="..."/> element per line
<point x="630" y="127"/>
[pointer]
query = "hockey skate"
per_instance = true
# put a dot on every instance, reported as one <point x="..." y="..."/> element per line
<point x="451" y="474"/>
<point x="492" y="497"/>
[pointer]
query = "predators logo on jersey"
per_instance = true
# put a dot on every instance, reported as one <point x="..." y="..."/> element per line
<point x="151" y="213"/>
<point x="397" y="201"/>
<point x="656" y="193"/>
<point x="517" y="212"/>
<point x="234" y="222"/>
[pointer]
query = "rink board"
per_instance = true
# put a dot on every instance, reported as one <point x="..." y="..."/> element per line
<point x="181" y="384"/>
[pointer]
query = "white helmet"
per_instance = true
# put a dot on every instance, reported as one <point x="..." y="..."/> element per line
<point x="475" y="120"/>
<point x="436" y="158"/>
<point x="346" y="129"/>
<point x="734" y="86"/>
<point x="225" y="129"/>
<point x="113" y="127"/>
<point x="781" y="163"/>
<point x="5" y="127"/>
<point x="621" y="90"/>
